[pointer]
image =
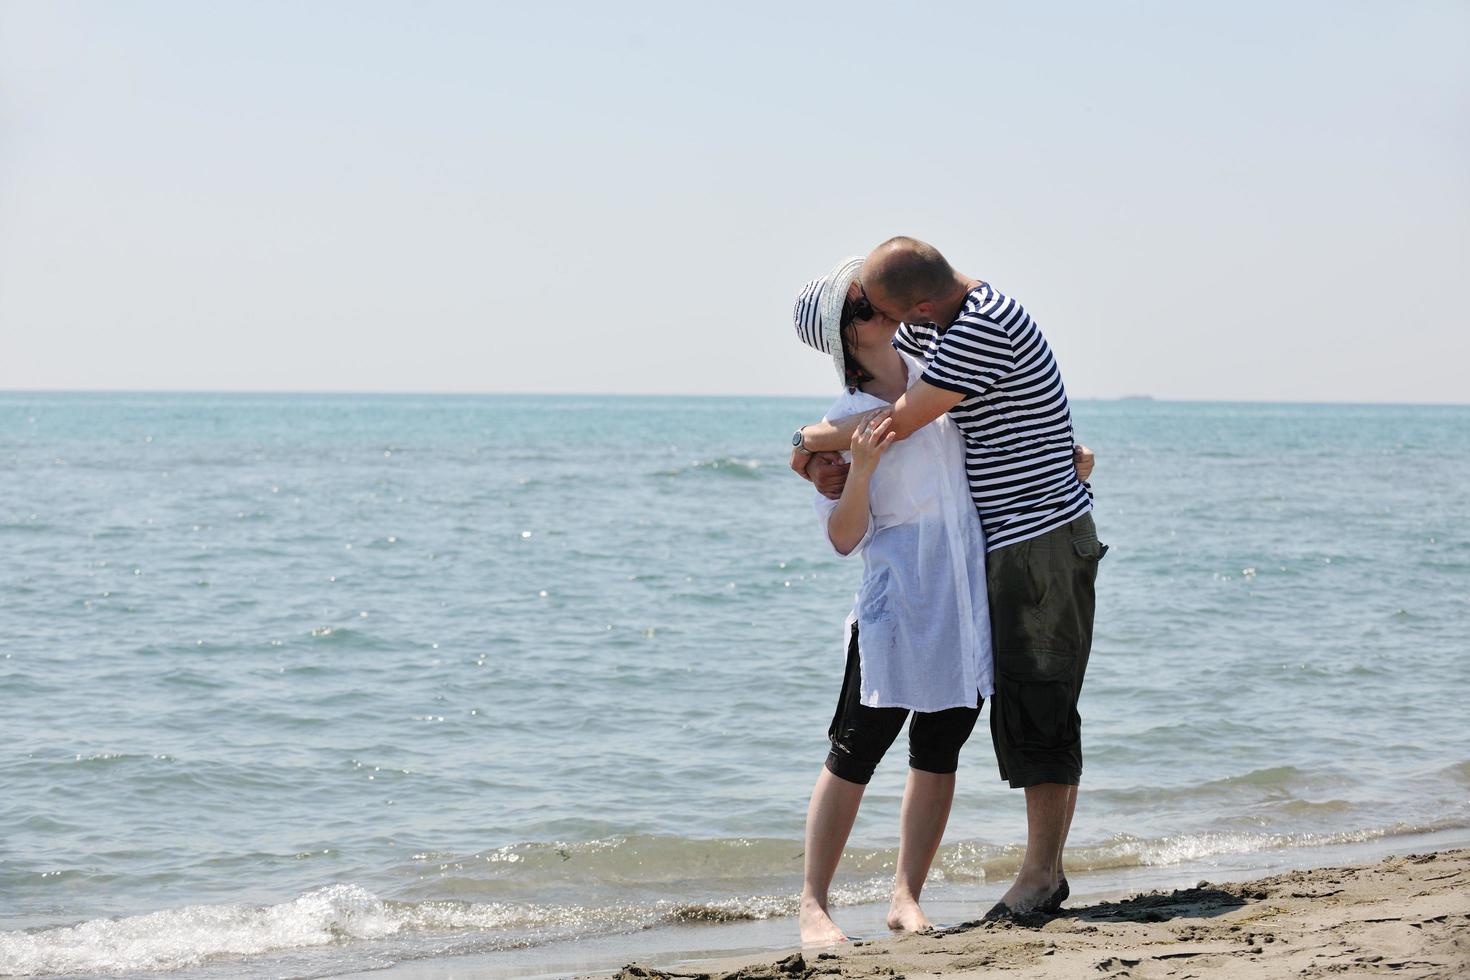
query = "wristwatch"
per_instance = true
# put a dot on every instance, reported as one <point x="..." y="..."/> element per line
<point x="796" y="442"/>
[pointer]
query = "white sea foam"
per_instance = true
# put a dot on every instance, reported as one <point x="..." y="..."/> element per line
<point x="341" y="914"/>
<point x="176" y="938"/>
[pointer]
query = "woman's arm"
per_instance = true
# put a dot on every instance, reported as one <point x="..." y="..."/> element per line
<point x="849" y="521"/>
<point x="848" y="524"/>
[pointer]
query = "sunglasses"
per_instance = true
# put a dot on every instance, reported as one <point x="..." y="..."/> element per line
<point x="860" y="309"/>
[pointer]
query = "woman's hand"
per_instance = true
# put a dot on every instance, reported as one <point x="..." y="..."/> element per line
<point x="1083" y="459"/>
<point x="869" y="441"/>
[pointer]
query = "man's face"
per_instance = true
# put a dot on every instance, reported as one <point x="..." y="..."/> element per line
<point x="886" y="307"/>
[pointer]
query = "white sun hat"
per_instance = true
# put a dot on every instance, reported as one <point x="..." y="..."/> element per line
<point x="818" y="312"/>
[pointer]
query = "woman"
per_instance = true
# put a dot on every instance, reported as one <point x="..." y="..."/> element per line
<point x="918" y="635"/>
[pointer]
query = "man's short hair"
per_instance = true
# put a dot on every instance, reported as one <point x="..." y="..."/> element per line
<point x="912" y="271"/>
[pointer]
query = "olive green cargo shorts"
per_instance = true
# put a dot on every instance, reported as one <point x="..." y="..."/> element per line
<point x="1041" y="607"/>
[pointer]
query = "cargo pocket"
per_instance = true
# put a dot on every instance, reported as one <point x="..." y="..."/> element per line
<point x="1087" y="551"/>
<point x="1036" y="699"/>
<point x="1088" y="547"/>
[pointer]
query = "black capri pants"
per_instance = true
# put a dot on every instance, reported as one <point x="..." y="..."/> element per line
<point x="861" y="735"/>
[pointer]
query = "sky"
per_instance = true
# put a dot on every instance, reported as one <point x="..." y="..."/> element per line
<point x="1233" y="201"/>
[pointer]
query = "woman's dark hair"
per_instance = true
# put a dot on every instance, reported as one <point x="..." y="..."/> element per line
<point x="857" y="375"/>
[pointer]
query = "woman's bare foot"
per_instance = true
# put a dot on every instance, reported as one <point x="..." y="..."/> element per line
<point x="817" y="926"/>
<point x="904" y="913"/>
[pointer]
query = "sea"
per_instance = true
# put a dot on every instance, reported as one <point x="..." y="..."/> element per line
<point x="318" y="685"/>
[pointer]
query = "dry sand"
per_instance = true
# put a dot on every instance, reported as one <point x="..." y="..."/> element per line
<point x="1406" y="916"/>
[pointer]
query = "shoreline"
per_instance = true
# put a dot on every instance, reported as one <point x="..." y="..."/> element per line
<point x="718" y="949"/>
<point x="1409" y="916"/>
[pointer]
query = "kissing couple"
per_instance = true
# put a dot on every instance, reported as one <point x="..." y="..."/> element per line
<point x="948" y="462"/>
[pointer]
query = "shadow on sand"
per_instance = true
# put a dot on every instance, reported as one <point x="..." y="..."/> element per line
<point x="1201" y="902"/>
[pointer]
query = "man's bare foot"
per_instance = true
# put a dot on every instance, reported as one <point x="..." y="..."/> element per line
<point x="904" y="913"/>
<point x="817" y="926"/>
<point x="1029" y="892"/>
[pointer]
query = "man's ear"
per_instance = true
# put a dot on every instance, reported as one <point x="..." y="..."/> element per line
<point x="925" y="311"/>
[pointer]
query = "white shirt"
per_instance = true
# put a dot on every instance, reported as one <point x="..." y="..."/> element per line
<point x="922" y="613"/>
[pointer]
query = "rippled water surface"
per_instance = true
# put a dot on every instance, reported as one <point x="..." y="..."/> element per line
<point x="302" y="684"/>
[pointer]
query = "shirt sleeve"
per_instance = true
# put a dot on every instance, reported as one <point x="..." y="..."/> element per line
<point x="972" y="356"/>
<point x="825" y="509"/>
<point x="904" y="340"/>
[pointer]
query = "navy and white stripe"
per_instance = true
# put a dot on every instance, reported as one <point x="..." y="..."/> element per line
<point x="1015" y="417"/>
<point x="808" y="315"/>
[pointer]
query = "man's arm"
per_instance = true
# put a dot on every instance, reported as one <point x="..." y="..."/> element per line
<point x="922" y="404"/>
<point x="915" y="408"/>
<point x="836" y="435"/>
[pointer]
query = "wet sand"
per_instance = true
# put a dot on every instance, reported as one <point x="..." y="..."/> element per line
<point x="1407" y="916"/>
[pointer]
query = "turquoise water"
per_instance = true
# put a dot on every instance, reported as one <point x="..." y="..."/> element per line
<point x="308" y="684"/>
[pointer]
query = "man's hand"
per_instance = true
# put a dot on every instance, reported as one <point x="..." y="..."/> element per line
<point x="1083" y="459"/>
<point x="800" y="460"/>
<point x="828" y="474"/>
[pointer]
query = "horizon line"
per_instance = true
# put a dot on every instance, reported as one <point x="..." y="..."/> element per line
<point x="700" y="394"/>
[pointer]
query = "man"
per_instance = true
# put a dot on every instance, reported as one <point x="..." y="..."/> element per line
<point x="992" y="370"/>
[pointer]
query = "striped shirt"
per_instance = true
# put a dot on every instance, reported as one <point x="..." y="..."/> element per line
<point x="1015" y="419"/>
